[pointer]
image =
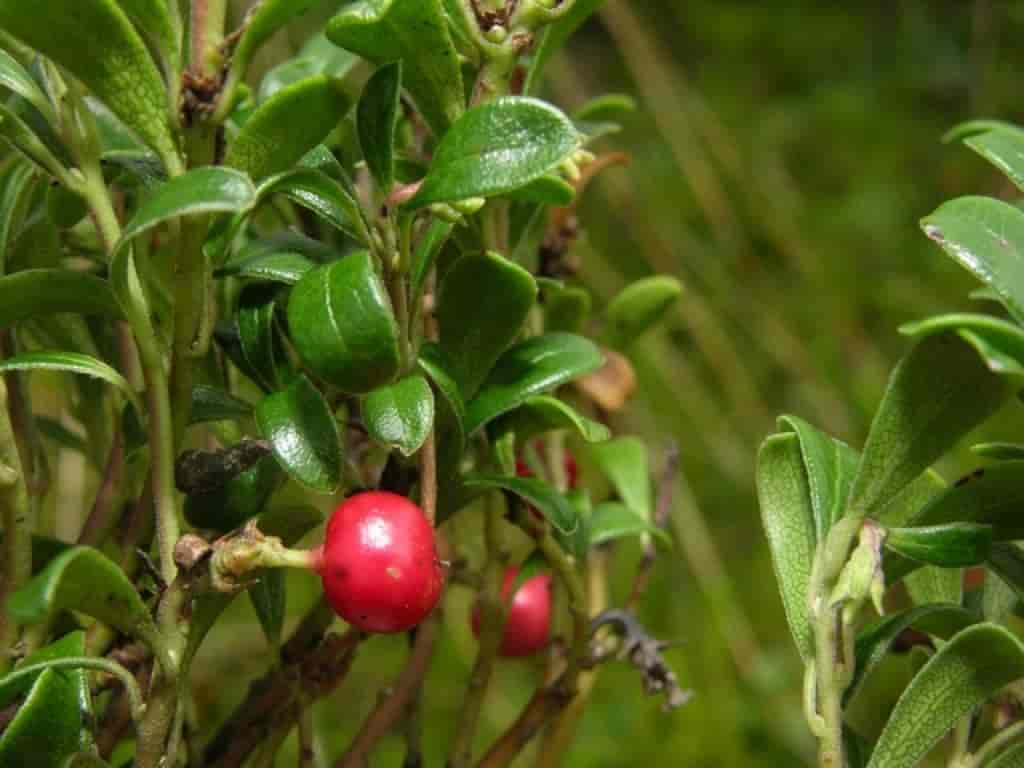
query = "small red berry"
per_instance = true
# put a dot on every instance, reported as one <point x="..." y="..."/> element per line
<point x="380" y="568"/>
<point x="529" y="616"/>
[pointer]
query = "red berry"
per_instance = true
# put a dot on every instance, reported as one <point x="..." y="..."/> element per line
<point x="572" y="470"/>
<point x="529" y="616"/>
<point x="380" y="568"/>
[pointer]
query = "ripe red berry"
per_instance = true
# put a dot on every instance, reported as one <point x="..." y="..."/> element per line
<point x="529" y="616"/>
<point x="380" y="568"/>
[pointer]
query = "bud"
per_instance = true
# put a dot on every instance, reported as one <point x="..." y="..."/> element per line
<point x="570" y="169"/>
<point x="445" y="212"/>
<point x="496" y="34"/>
<point x="862" y="577"/>
<point x="469" y="206"/>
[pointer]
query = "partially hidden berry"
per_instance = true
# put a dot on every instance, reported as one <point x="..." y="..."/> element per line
<point x="528" y="620"/>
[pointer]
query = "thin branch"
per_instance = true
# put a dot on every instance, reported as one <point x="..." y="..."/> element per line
<point x="663" y="507"/>
<point x="17" y="543"/>
<point x="392" y="706"/>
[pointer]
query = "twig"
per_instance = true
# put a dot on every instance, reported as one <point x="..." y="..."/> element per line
<point x="666" y="486"/>
<point x="428" y="477"/>
<point x="17" y="542"/>
<point x="392" y="706"/>
<point x="105" y="507"/>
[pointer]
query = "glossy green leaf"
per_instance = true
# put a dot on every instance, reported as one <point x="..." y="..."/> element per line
<point x="496" y="148"/>
<point x="450" y="412"/>
<point x="258" y="336"/>
<point x="303" y="435"/>
<point x="34" y="292"/>
<point x="342" y="325"/>
<point x="95" y="41"/>
<point x="546" y="190"/>
<point x="285" y="267"/>
<point x="154" y="19"/>
<point x="873" y="642"/>
<point x="553" y="37"/>
<point x="535" y="366"/>
<point x="200" y="191"/>
<point x="549" y="502"/>
<point x="953" y="545"/>
<point x="48" y="724"/>
<point x="476" y="326"/>
<point x="377" y="117"/>
<point x="830" y="465"/>
<point x="938" y="392"/>
<point x="964" y="673"/>
<point x="242" y="498"/>
<point x="289" y="124"/>
<point x="1006" y="560"/>
<point x="400" y="415"/>
<point x="269" y="594"/>
<point x="638" y="307"/>
<point x="16" y="189"/>
<point x="263" y="21"/>
<point x="71" y="644"/>
<point x="986" y="237"/>
<point x="318" y="56"/>
<point x="544" y="413"/>
<point x="14" y="78"/>
<point x="14" y="131"/>
<point x="213" y="404"/>
<point x="609" y="106"/>
<point x="1000" y="343"/>
<point x="612" y="520"/>
<point x="1002" y="144"/>
<point x="72" y="362"/>
<point x="566" y="308"/>
<point x="1000" y="451"/>
<point x="415" y="32"/>
<point x="625" y="463"/>
<point x="429" y="247"/>
<point x="83" y="579"/>
<point x="784" y="496"/>
<point x="321" y="194"/>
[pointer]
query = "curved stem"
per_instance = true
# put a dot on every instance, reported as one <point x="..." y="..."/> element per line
<point x="17" y="540"/>
<point x="131" y="685"/>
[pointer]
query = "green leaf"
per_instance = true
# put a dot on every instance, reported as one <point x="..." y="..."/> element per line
<point x="953" y="545"/>
<point x="549" y="502"/>
<point x="14" y="77"/>
<point x="546" y="190"/>
<point x="213" y="404"/>
<point x="258" y="336"/>
<point x="784" y="495"/>
<point x="964" y="673"/>
<point x="1002" y="144"/>
<point x="1000" y="343"/>
<point x="496" y="148"/>
<point x="285" y="267"/>
<point x="610" y="106"/>
<point x="240" y="499"/>
<point x="376" y="118"/>
<point x="84" y="760"/>
<point x="638" y="307"/>
<point x="539" y="364"/>
<point x="544" y="413"/>
<point x="476" y="326"/>
<point x="83" y="579"/>
<point x="415" y="32"/>
<point x="49" y="723"/>
<point x="1007" y="561"/>
<point x="554" y="37"/>
<point x="873" y="642"/>
<point x="24" y="140"/>
<point x="35" y="292"/>
<point x="321" y="194"/>
<point x="450" y="413"/>
<point x="275" y="138"/>
<point x="72" y="362"/>
<point x="429" y="247"/>
<point x="153" y="19"/>
<point x="269" y="594"/>
<point x="16" y="190"/>
<point x="200" y="191"/>
<point x="263" y="21"/>
<point x="938" y="392"/>
<point x="566" y="308"/>
<point x="303" y="435"/>
<point x="342" y="325"/>
<point x="986" y="237"/>
<point x="932" y="584"/>
<point x="400" y="415"/>
<point x="1011" y="758"/>
<point x="611" y="520"/>
<point x="95" y="41"/>
<point x="1000" y="451"/>
<point x="625" y="463"/>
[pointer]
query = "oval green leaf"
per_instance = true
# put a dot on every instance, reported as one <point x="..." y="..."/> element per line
<point x="213" y="404"/>
<point x="415" y="32"/>
<point x="33" y="292"/>
<point x="558" y="510"/>
<point x="240" y="499"/>
<point x="638" y="307"/>
<point x="263" y="21"/>
<point x="16" y="79"/>
<point x="303" y="435"/>
<point x="1002" y="144"/>
<point x="611" y="520"/>
<point x="273" y="139"/>
<point x="48" y="724"/>
<point x="625" y="463"/>
<point x="376" y="119"/>
<point x="554" y="37"/>
<point x="95" y="41"/>
<point x="1000" y="343"/>
<point x="545" y="413"/>
<point x="539" y="364"/>
<point x="938" y="392"/>
<point x="277" y="267"/>
<point x="476" y="326"/>
<point x="964" y="673"/>
<point x="953" y="545"/>
<point x="342" y="325"/>
<point x="496" y="148"/>
<point x="258" y="338"/>
<point x="400" y="415"/>
<point x="323" y="195"/>
<point x="450" y="413"/>
<point x="72" y="362"/>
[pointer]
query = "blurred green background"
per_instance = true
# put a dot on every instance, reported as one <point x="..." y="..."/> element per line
<point x="781" y="155"/>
